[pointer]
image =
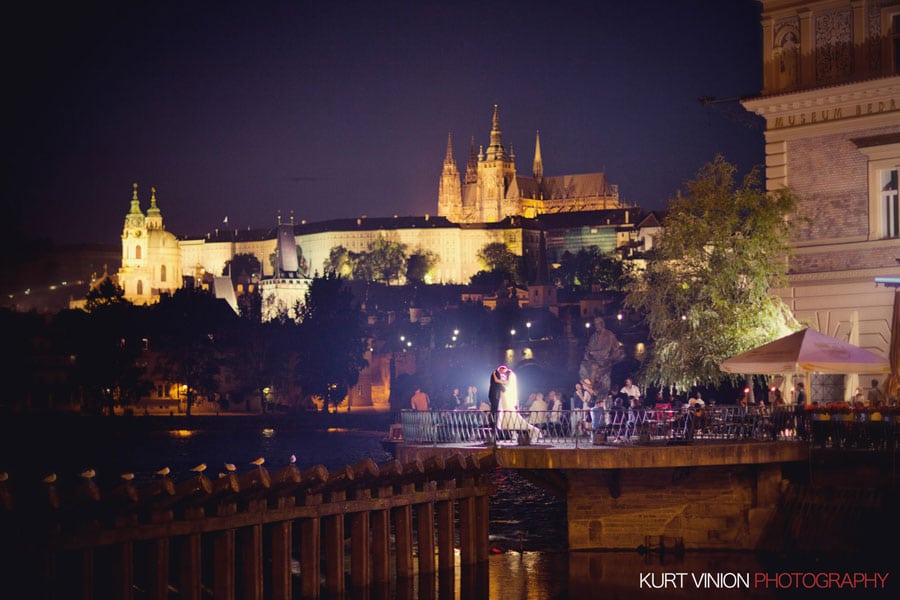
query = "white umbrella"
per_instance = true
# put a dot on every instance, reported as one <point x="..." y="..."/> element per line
<point x="806" y="351"/>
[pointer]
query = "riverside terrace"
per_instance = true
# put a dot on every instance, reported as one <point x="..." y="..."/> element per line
<point x="713" y="480"/>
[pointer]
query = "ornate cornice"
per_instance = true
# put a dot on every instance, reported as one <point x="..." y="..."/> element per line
<point x="828" y="105"/>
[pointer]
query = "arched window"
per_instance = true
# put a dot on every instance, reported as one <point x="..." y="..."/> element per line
<point x="137" y="252"/>
<point x="162" y="273"/>
<point x="140" y="288"/>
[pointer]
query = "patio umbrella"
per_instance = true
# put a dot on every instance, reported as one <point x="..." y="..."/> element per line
<point x="806" y="351"/>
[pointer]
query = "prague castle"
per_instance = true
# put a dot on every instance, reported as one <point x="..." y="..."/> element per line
<point x="492" y="189"/>
<point x="493" y="204"/>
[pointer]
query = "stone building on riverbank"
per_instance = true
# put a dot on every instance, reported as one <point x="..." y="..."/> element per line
<point x="831" y="102"/>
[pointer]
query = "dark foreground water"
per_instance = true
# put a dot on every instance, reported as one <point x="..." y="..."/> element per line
<point x="528" y="526"/>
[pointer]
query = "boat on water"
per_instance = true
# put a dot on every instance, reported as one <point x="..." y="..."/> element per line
<point x="393" y="439"/>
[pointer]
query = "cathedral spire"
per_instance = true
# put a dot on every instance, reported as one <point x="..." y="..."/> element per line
<point x="134" y="218"/>
<point x="449" y="157"/>
<point x="495" y="150"/>
<point x="135" y="203"/>
<point x="154" y="216"/>
<point x="538" y="163"/>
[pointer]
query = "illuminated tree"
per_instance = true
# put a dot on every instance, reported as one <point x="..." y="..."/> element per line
<point x="384" y="261"/>
<point x="706" y="291"/>
<point x="419" y="264"/>
<point x="589" y="267"/>
<point x="499" y="260"/>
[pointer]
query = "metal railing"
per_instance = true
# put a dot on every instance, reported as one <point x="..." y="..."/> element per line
<point x="592" y="427"/>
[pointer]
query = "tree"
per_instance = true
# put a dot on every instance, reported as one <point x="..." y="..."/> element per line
<point x="332" y="337"/>
<point x="105" y="347"/>
<point x="187" y="330"/>
<point x="705" y="293"/>
<point x="497" y="258"/>
<point x="419" y="264"/>
<point x="591" y="266"/>
<point x="242" y="267"/>
<point x="384" y="261"/>
<point x="107" y="293"/>
<point x="338" y="262"/>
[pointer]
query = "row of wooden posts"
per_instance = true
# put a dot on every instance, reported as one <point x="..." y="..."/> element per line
<point x="237" y="536"/>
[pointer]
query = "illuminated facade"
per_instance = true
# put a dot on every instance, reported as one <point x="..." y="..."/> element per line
<point x="831" y="101"/>
<point x="151" y="256"/>
<point x="492" y="190"/>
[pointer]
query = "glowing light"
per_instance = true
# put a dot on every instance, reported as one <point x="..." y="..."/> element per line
<point x="512" y="332"/>
<point x="181" y="433"/>
<point x="619" y="316"/>
<point x="268" y="432"/>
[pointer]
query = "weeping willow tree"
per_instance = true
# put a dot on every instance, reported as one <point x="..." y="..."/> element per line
<point x="706" y="291"/>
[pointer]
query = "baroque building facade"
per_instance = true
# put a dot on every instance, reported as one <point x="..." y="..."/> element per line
<point x="151" y="256"/>
<point x="492" y="189"/>
<point x="831" y="103"/>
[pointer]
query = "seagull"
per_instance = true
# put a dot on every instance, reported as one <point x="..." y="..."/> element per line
<point x="199" y="468"/>
<point x="127" y="476"/>
<point x="221" y="475"/>
<point x="230" y="467"/>
<point x="51" y="478"/>
<point x="293" y="458"/>
<point x="164" y="471"/>
<point x="258" y="462"/>
<point x="89" y="474"/>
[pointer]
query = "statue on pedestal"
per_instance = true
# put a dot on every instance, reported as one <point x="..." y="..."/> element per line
<point x="603" y="351"/>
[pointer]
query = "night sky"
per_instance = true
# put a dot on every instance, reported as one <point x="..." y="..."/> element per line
<point x="329" y="109"/>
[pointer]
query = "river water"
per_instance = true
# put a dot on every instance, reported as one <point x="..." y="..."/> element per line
<point x="528" y="525"/>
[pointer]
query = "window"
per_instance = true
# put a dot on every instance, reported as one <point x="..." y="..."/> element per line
<point x="888" y="194"/>
<point x="137" y="252"/>
<point x="162" y="273"/>
<point x="884" y="205"/>
<point x="140" y="288"/>
<point x="895" y="41"/>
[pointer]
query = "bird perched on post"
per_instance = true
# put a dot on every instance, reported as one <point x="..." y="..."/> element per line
<point x="50" y="478"/>
<point x="88" y="474"/>
<point x="199" y="468"/>
<point x="164" y="471"/>
<point x="292" y="459"/>
<point x="230" y="467"/>
<point x="258" y="462"/>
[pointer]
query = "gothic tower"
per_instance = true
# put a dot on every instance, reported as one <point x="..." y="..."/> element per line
<point x="449" y="190"/>
<point x="496" y="170"/>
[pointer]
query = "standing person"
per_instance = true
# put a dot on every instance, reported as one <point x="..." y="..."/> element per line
<point x="555" y="411"/>
<point x="455" y="400"/>
<point x="419" y="400"/>
<point x="800" y="412"/>
<point x="472" y="397"/>
<point x="538" y="411"/>
<point x="499" y="379"/>
<point x="875" y="396"/>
